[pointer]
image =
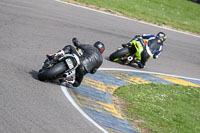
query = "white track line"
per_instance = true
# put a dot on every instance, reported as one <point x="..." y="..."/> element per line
<point x="128" y="18"/>
<point x="67" y="95"/>
<point x="119" y="69"/>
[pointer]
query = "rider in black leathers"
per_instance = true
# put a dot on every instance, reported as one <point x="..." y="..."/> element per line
<point x="91" y="59"/>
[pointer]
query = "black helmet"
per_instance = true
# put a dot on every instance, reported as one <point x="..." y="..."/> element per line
<point x="161" y="36"/>
<point x="100" y="46"/>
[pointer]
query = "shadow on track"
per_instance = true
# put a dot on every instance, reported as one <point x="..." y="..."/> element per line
<point x="34" y="74"/>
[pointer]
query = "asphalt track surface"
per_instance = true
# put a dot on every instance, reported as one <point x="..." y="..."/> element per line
<point x="31" y="29"/>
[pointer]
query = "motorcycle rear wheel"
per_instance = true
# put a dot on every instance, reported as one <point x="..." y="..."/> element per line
<point x="117" y="55"/>
<point x="52" y="72"/>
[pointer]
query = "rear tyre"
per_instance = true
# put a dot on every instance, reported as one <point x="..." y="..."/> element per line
<point x="52" y="72"/>
<point x="118" y="54"/>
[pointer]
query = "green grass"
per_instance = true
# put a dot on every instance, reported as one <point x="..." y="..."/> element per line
<point x="179" y="14"/>
<point x="163" y="108"/>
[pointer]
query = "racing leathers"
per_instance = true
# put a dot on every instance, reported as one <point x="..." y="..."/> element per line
<point x="90" y="60"/>
<point x="148" y="46"/>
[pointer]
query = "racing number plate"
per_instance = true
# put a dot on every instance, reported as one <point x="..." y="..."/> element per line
<point x="69" y="63"/>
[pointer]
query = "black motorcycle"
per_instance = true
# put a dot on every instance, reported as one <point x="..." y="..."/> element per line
<point x="64" y="67"/>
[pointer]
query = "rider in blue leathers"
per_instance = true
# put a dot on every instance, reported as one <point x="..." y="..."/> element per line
<point x="153" y="49"/>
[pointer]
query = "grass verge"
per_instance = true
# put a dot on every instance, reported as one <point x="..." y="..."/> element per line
<point x="162" y="108"/>
<point x="178" y="14"/>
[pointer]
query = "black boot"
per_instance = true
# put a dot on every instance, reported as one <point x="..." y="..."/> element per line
<point x="140" y="65"/>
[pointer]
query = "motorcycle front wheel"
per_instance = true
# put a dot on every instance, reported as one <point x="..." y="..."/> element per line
<point x="117" y="55"/>
<point x="52" y="72"/>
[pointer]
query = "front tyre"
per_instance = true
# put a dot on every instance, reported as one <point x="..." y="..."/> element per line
<point x="117" y="55"/>
<point x="52" y="72"/>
